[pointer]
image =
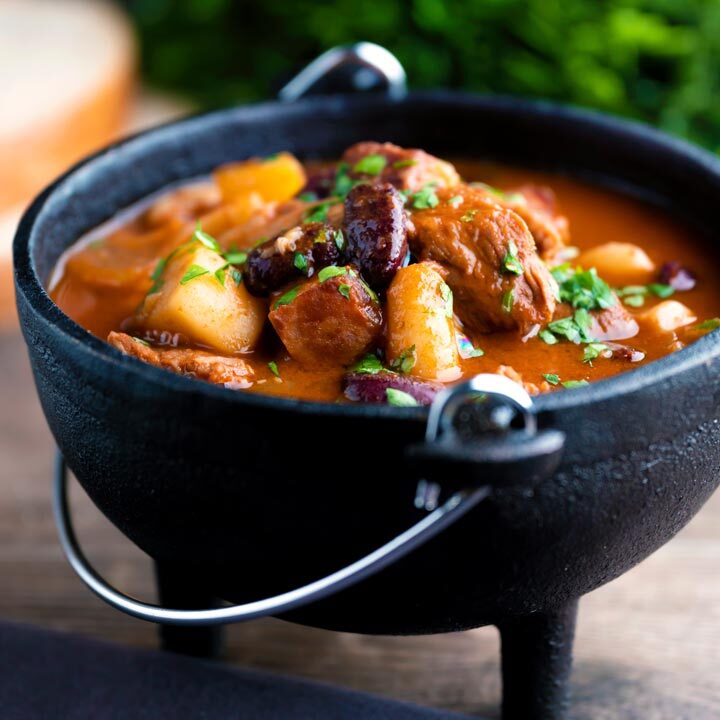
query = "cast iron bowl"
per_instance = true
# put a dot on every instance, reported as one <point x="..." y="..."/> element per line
<point x="258" y="495"/>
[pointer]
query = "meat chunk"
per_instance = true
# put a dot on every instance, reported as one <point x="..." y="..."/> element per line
<point x="229" y="371"/>
<point x="536" y="205"/>
<point x="491" y="264"/>
<point x="376" y="232"/>
<point x="615" y="323"/>
<point x="406" y="169"/>
<point x="299" y="252"/>
<point x="329" y="320"/>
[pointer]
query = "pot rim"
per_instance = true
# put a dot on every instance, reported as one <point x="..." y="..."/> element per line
<point x="29" y="284"/>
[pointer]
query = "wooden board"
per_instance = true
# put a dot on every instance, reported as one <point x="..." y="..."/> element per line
<point x="648" y="645"/>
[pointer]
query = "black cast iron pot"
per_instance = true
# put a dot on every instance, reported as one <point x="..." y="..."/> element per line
<point x="256" y="495"/>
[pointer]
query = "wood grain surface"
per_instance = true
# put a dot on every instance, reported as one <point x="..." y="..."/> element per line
<point x="648" y="645"/>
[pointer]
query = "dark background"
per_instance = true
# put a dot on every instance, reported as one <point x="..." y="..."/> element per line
<point x="656" y="60"/>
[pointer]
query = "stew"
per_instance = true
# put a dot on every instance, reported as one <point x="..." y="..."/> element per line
<point x="383" y="276"/>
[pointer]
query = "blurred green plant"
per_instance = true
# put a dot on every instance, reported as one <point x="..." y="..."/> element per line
<point x="657" y="60"/>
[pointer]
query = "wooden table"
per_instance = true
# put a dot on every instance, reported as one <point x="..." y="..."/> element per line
<point x="648" y="645"/>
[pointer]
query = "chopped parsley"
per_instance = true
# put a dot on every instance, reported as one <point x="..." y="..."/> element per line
<point x="287" y="298"/>
<point x="447" y="296"/>
<point x="424" y="198"/>
<point x="634" y="300"/>
<point x="709" y="324"/>
<point x="236" y="275"/>
<point x="308" y="197"/>
<point x="574" y="383"/>
<point x="344" y="290"/>
<point x="207" y="240"/>
<point x="339" y="240"/>
<point x="274" y="368"/>
<point x="220" y="274"/>
<point x="157" y="274"/>
<point x="405" y="361"/>
<point x="552" y="378"/>
<point x="368" y="365"/>
<point x="583" y="288"/>
<point x="455" y="200"/>
<point x="595" y="350"/>
<point x="547" y="337"/>
<point x="236" y="257"/>
<point x="194" y="271"/>
<point x="300" y="262"/>
<point x="661" y="290"/>
<point x="331" y="271"/>
<point x="140" y="341"/>
<point x="511" y="262"/>
<point x="370" y="165"/>
<point x="508" y="299"/>
<point x="398" y="398"/>
<point x="320" y="212"/>
<point x="343" y="182"/>
<point x="408" y="162"/>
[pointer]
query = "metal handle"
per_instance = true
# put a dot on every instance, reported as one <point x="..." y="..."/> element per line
<point x="372" y="60"/>
<point x="452" y="510"/>
<point x="439" y="518"/>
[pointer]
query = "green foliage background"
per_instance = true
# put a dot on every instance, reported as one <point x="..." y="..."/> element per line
<point x="657" y="60"/>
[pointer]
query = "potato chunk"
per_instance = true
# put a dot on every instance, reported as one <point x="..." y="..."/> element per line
<point x="419" y="314"/>
<point x="331" y="319"/>
<point x="619" y="263"/>
<point x="278" y="178"/>
<point x="667" y="316"/>
<point x="220" y="315"/>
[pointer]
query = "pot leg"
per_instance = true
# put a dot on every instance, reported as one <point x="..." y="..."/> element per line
<point x="177" y="589"/>
<point x="536" y="662"/>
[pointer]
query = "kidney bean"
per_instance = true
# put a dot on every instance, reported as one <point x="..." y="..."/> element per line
<point x="677" y="276"/>
<point x="368" y="388"/>
<point x="301" y="251"/>
<point x="376" y="232"/>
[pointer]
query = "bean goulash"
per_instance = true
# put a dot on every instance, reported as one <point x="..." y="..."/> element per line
<point x="385" y="275"/>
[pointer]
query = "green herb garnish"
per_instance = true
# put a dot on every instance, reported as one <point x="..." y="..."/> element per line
<point x="456" y="200"/>
<point x="425" y="198"/>
<point x="547" y="337"/>
<point x="274" y="368"/>
<point x="236" y="257"/>
<point x="339" y="240"/>
<point x="367" y="365"/>
<point x="634" y="300"/>
<point x="319" y="213"/>
<point x="236" y="275"/>
<point x="583" y="288"/>
<point x="575" y="383"/>
<point x="300" y="262"/>
<point x="308" y="197"/>
<point x="207" y="240"/>
<point x="140" y="341"/>
<point x="508" y="299"/>
<point x="661" y="290"/>
<point x="331" y="271"/>
<point x="287" y="298"/>
<point x="409" y="162"/>
<point x="194" y="271"/>
<point x="552" y="378"/>
<point x="370" y="165"/>
<point x="344" y="290"/>
<point x="468" y="216"/>
<point x="398" y="398"/>
<point x="220" y="274"/>
<point x="511" y="261"/>
<point x="405" y="361"/>
<point x="343" y="182"/>
<point x="709" y="324"/>
<point x="594" y="350"/>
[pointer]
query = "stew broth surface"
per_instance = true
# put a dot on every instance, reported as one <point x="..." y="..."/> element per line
<point x="596" y="216"/>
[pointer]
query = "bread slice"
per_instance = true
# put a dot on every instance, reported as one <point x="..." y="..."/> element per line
<point x="66" y="72"/>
